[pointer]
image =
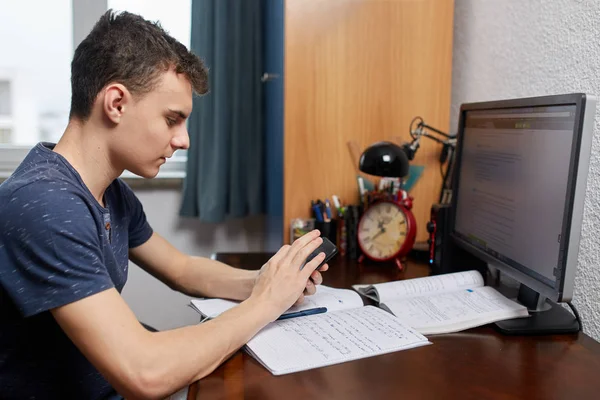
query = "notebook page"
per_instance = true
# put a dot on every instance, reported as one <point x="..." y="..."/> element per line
<point x="452" y="312"/>
<point x="428" y="285"/>
<point x="211" y="308"/>
<point x="325" y="339"/>
<point x="331" y="298"/>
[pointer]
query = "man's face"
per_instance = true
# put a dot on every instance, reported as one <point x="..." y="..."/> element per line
<point x="153" y="126"/>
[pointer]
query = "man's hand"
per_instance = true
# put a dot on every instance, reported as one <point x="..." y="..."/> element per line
<point x="315" y="279"/>
<point x="281" y="282"/>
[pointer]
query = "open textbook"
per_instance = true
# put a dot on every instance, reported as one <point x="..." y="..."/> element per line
<point x="347" y="331"/>
<point x="443" y="303"/>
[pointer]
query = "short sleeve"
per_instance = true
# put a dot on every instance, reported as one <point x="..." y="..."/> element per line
<point x="52" y="248"/>
<point x="139" y="228"/>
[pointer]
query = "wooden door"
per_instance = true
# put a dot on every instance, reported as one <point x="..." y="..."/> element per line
<point x="361" y="70"/>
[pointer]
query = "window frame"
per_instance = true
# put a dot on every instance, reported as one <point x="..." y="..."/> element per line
<point x="12" y="155"/>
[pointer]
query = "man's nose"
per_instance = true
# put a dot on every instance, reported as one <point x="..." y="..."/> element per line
<point x="181" y="140"/>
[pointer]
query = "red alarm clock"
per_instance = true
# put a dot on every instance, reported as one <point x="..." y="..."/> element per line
<point x="387" y="230"/>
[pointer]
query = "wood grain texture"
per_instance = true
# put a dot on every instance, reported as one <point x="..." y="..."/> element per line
<point x="361" y="70"/>
<point x="478" y="363"/>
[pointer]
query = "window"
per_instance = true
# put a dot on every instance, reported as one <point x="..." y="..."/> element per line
<point x="35" y="89"/>
<point x="34" y="81"/>
<point x="5" y="103"/>
<point x="5" y="113"/>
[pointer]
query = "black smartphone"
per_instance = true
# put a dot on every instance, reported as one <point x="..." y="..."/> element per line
<point x="326" y="247"/>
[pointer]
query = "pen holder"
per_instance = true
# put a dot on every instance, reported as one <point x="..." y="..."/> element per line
<point x="351" y="217"/>
<point x="328" y="229"/>
<point x="299" y="227"/>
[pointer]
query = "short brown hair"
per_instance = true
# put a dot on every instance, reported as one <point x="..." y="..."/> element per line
<point x="128" y="49"/>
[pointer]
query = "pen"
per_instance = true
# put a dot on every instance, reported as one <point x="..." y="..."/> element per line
<point x="303" y="313"/>
<point x="338" y="206"/>
<point x="328" y="209"/>
<point x="317" y="212"/>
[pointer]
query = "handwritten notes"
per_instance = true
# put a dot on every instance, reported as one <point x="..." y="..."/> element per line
<point x="325" y="339"/>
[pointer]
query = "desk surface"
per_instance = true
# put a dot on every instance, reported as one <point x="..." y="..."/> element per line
<point x="479" y="363"/>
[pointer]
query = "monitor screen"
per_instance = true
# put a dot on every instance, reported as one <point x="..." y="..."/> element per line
<point x="513" y="184"/>
<point x="519" y="167"/>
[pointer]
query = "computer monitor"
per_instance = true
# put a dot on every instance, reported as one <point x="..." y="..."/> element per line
<point x="518" y="194"/>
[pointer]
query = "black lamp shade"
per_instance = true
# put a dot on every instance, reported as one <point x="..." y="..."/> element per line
<point x="384" y="159"/>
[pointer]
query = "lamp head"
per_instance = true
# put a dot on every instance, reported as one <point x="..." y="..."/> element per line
<point x="384" y="159"/>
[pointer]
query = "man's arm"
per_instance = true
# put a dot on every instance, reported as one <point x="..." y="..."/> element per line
<point x="198" y="276"/>
<point x="139" y="363"/>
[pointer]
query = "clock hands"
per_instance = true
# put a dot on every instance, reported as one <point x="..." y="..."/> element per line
<point x="378" y="233"/>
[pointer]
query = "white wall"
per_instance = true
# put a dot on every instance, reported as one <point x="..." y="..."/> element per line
<point x="152" y="301"/>
<point x="516" y="48"/>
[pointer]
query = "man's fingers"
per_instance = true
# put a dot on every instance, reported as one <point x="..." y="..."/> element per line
<point x="310" y="288"/>
<point x="310" y="267"/>
<point x="316" y="278"/>
<point x="306" y="238"/>
<point x="301" y="243"/>
<point x="281" y="253"/>
<point x="324" y="267"/>
<point x="300" y="257"/>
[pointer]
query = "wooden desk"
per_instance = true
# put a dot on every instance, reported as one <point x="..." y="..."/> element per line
<point x="475" y="364"/>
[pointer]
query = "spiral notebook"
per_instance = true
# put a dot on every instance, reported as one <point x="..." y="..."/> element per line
<point x="322" y="340"/>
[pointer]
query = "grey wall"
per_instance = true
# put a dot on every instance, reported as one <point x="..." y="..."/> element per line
<point x="152" y="301"/>
<point x="516" y="48"/>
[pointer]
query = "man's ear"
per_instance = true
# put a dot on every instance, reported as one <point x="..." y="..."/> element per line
<point x="116" y="99"/>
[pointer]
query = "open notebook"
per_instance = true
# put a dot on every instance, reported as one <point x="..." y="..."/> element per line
<point x="328" y="297"/>
<point x="320" y="340"/>
<point x="347" y="331"/>
<point x="443" y="303"/>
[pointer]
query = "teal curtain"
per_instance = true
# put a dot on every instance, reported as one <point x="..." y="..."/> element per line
<point x="225" y="160"/>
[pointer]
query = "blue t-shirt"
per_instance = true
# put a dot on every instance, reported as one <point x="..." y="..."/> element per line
<point x="57" y="245"/>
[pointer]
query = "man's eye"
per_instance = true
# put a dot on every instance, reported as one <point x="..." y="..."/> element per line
<point x="171" y="121"/>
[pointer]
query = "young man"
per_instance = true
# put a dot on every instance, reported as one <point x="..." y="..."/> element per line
<point x="68" y="227"/>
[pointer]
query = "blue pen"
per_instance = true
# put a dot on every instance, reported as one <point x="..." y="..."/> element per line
<point x="317" y="213"/>
<point x="303" y="313"/>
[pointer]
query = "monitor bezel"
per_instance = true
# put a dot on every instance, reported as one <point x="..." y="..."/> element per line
<point x="574" y="200"/>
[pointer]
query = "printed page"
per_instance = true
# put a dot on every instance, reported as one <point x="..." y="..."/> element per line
<point x="385" y="292"/>
<point x="325" y="339"/>
<point x="331" y="298"/>
<point x="456" y="311"/>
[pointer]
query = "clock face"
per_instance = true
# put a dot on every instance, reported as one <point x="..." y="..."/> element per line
<point x="382" y="230"/>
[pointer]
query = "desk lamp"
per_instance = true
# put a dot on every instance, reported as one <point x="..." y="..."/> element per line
<point x="384" y="159"/>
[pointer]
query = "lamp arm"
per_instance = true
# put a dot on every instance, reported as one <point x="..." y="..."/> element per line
<point x="418" y="132"/>
<point x="431" y="128"/>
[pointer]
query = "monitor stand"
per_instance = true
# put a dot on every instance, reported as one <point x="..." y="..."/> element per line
<point x="547" y="317"/>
